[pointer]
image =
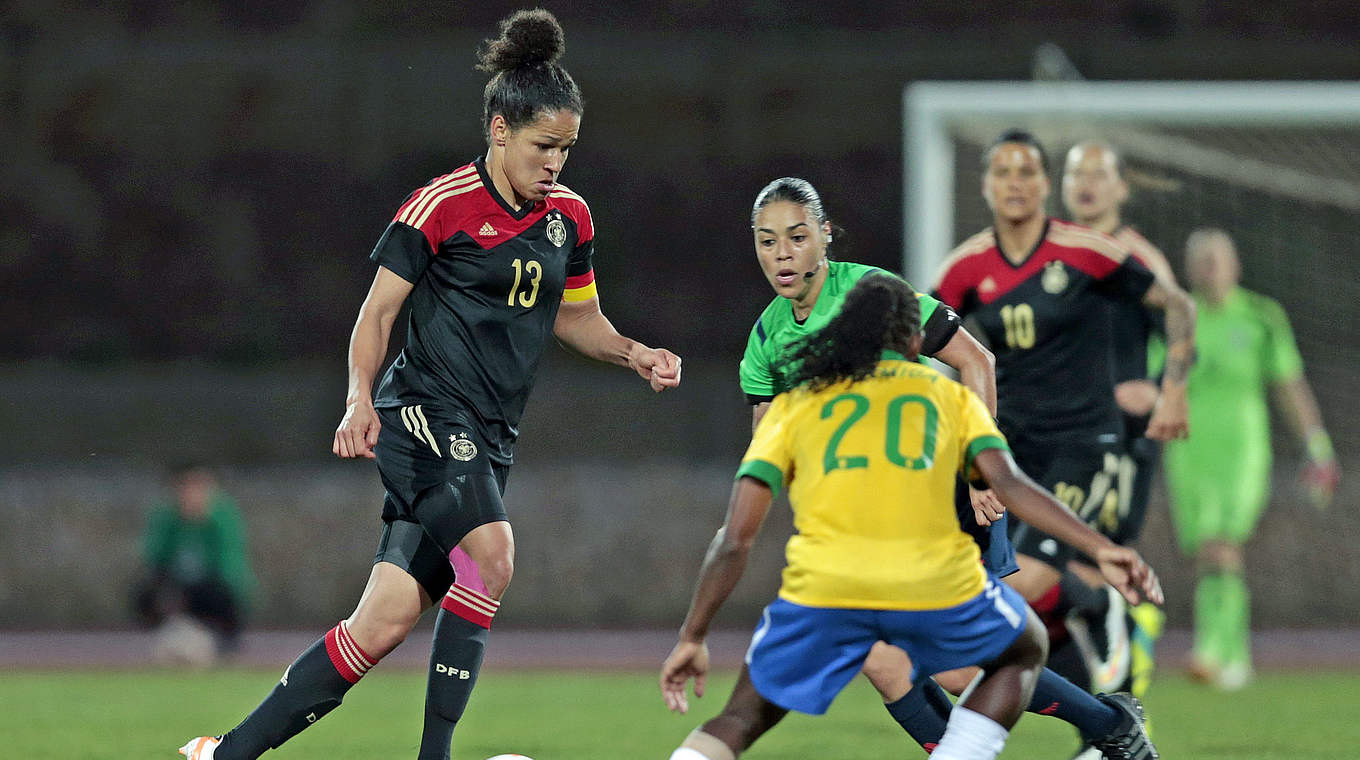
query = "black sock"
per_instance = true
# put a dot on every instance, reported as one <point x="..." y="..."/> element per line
<point x="923" y="713"/>
<point x="1056" y="696"/>
<point x="311" y="687"/>
<point x="1065" y="659"/>
<point x="1075" y="595"/>
<point x="460" y="634"/>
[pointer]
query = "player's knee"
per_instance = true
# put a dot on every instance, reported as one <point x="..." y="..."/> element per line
<point x="496" y="572"/>
<point x="1220" y="557"/>
<point x="1034" y="579"/>
<point x="389" y="637"/>
<point x="955" y="681"/>
<point x="888" y="668"/>
<point x="378" y="634"/>
<point x="1030" y="649"/>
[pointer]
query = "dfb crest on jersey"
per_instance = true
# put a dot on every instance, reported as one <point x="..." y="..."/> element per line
<point x="1055" y="277"/>
<point x="461" y="448"/>
<point x="557" y="232"/>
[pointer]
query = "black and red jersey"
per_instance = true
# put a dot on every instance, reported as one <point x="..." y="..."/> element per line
<point x="488" y="281"/>
<point x="1133" y="322"/>
<point x="1047" y="320"/>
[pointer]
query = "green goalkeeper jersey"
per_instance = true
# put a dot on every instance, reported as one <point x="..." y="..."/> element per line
<point x="1244" y="346"/>
<point x="764" y="367"/>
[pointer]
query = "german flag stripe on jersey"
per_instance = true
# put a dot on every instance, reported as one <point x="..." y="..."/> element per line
<point x="979" y="266"/>
<point x="580" y="288"/>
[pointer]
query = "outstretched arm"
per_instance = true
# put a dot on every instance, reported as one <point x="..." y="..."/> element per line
<point x="723" y="566"/>
<point x="357" y="433"/>
<point x="582" y="327"/>
<point x="1121" y="566"/>
<point x="1170" y="416"/>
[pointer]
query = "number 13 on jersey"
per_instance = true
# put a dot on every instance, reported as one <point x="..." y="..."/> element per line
<point x="534" y="271"/>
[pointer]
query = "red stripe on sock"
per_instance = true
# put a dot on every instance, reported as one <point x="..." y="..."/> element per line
<point x="352" y="647"/>
<point x="1046" y="606"/>
<point x="340" y="660"/>
<point x="1050" y="709"/>
<point x="462" y="609"/>
<point x="929" y="747"/>
<point x="1046" y="603"/>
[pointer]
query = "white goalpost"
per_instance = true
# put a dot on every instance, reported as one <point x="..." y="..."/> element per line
<point x="1276" y="164"/>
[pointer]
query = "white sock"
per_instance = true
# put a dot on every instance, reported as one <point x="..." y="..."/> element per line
<point x="970" y="736"/>
<point x="701" y="746"/>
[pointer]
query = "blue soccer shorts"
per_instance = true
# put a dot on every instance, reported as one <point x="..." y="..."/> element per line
<point x="801" y="657"/>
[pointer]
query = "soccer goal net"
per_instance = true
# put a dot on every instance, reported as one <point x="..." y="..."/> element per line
<point x="1277" y="165"/>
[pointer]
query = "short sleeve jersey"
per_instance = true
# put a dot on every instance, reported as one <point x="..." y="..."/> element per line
<point x="1244" y="345"/>
<point x="871" y="470"/>
<point x="1047" y="321"/>
<point x="488" y="279"/>
<point x="765" y="369"/>
<point x="1134" y="323"/>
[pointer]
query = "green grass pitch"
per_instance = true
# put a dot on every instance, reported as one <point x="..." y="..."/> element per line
<point x="558" y="715"/>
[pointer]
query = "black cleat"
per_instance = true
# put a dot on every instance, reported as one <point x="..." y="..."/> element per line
<point x="1130" y="740"/>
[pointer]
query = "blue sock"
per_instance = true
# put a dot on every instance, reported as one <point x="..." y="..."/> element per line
<point x="1059" y="697"/>
<point x="923" y="713"/>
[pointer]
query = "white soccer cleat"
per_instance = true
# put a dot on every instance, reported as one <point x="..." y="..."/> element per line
<point x="1234" y="677"/>
<point x="1108" y="656"/>
<point x="201" y="748"/>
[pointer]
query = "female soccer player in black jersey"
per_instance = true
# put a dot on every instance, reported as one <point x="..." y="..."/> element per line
<point x="494" y="258"/>
<point x="1038" y="289"/>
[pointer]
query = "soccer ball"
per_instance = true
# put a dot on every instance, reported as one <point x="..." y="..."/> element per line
<point x="510" y="757"/>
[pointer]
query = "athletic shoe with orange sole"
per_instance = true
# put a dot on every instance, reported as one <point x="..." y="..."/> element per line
<point x="201" y="748"/>
<point x="1201" y="671"/>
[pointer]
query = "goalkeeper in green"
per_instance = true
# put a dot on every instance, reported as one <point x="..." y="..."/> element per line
<point x="1219" y="478"/>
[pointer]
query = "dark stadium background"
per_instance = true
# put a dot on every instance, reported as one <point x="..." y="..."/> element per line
<point x="192" y="188"/>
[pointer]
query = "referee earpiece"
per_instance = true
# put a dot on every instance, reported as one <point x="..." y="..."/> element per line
<point x="810" y="274"/>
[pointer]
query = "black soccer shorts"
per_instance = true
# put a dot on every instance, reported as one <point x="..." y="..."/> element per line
<point x="1137" y="467"/>
<point x="1083" y="474"/>
<point x="440" y="486"/>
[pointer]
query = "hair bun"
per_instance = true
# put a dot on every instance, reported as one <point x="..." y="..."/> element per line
<point x="527" y="38"/>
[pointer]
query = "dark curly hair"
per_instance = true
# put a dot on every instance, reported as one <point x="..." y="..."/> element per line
<point x="526" y="79"/>
<point x="880" y="314"/>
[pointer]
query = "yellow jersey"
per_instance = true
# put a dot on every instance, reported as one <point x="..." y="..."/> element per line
<point x="871" y="466"/>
